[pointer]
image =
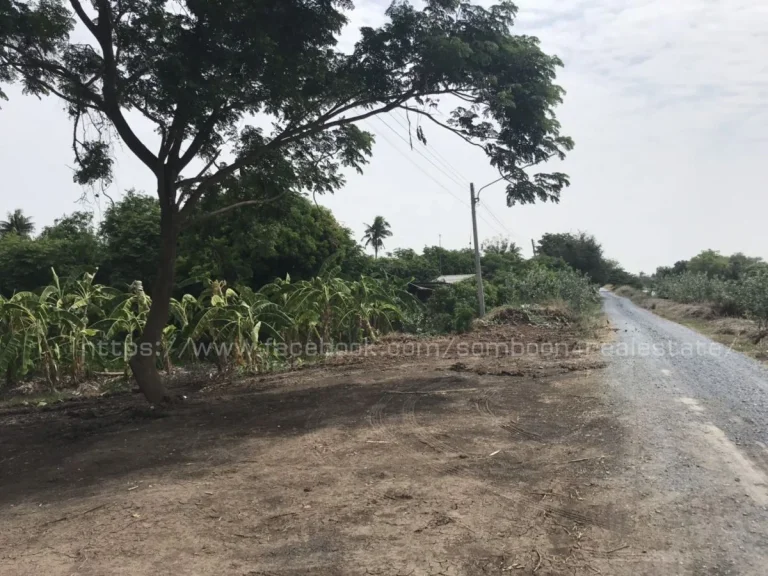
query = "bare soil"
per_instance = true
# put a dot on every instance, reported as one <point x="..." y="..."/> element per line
<point x="381" y="463"/>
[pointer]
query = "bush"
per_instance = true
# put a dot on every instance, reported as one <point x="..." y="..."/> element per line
<point x="452" y="308"/>
<point x="462" y="319"/>
<point x="541" y="285"/>
<point x="752" y="296"/>
<point x="688" y="288"/>
<point x="746" y="297"/>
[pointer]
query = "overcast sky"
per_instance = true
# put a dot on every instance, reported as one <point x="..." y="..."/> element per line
<point x="667" y="102"/>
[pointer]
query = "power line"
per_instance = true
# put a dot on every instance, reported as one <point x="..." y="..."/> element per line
<point x="445" y="163"/>
<point x="425" y="172"/>
<point x="507" y="230"/>
<point x="412" y="161"/>
<point x="441" y="170"/>
<point x="435" y="154"/>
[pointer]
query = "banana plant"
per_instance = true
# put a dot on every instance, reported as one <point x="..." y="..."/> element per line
<point x="126" y="321"/>
<point x="233" y="323"/>
<point x="374" y="306"/>
<point x="24" y="342"/>
<point x="59" y="331"/>
<point x="72" y="308"/>
<point x="318" y="307"/>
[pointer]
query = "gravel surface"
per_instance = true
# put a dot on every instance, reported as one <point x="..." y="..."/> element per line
<point x="697" y="465"/>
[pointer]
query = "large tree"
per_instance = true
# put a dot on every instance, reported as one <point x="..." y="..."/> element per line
<point x="375" y="234"/>
<point x="259" y="86"/>
<point x="580" y="251"/>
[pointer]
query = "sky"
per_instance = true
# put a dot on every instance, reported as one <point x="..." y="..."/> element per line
<point x="666" y="101"/>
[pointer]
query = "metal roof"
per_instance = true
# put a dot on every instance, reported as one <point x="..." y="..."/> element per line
<point x="453" y="278"/>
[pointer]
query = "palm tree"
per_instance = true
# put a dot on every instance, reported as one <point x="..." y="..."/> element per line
<point x="17" y="223"/>
<point x="375" y="234"/>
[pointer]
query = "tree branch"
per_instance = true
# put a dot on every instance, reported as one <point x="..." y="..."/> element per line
<point x="231" y="207"/>
<point x="282" y="139"/>
<point x="200" y="139"/>
<point x="459" y="133"/>
<point x="103" y="34"/>
<point x="90" y="24"/>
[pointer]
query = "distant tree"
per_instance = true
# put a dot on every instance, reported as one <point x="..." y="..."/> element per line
<point x="680" y="267"/>
<point x="200" y="71"/>
<point x="70" y="246"/>
<point x="252" y="247"/>
<point x="17" y="223"/>
<point x="257" y="244"/>
<point x="614" y="273"/>
<point x="500" y="245"/>
<point x="376" y="233"/>
<point x="69" y="227"/>
<point x="740" y="265"/>
<point x="406" y="264"/>
<point x="130" y="232"/>
<point x="499" y="255"/>
<point x="580" y="251"/>
<point x="709" y="262"/>
<point x="450" y="261"/>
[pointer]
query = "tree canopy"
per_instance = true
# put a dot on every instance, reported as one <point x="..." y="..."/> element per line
<point x="580" y="251"/>
<point x="196" y="70"/>
<point x="715" y="265"/>
<point x="260" y="88"/>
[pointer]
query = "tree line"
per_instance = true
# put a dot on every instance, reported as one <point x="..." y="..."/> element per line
<point x="256" y="246"/>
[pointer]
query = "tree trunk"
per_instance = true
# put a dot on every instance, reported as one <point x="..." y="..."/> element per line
<point x="144" y="362"/>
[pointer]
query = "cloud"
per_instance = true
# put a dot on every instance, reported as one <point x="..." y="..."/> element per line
<point x="666" y="104"/>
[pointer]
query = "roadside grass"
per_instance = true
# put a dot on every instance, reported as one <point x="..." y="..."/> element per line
<point x="737" y="333"/>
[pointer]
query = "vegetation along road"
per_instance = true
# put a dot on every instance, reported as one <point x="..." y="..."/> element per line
<point x="698" y="413"/>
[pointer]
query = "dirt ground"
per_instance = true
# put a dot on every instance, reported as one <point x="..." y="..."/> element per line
<point x="383" y="463"/>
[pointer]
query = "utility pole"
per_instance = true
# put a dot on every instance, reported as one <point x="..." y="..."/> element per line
<point x="478" y="271"/>
<point x="533" y="245"/>
<point x="440" y="255"/>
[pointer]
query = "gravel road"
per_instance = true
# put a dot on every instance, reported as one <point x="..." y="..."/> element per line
<point x="696" y="415"/>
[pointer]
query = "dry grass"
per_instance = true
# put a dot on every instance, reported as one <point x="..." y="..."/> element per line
<point x="738" y="333"/>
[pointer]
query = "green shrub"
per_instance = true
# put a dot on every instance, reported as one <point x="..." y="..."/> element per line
<point x="752" y="296"/>
<point x="688" y="288"/>
<point x="540" y="285"/>
<point x="462" y="319"/>
<point x="745" y="297"/>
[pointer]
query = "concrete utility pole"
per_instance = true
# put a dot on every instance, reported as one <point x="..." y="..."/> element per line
<point x="440" y="257"/>
<point x="478" y="271"/>
<point x="533" y="245"/>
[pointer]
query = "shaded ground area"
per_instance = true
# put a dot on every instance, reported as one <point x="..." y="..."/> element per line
<point x="389" y="462"/>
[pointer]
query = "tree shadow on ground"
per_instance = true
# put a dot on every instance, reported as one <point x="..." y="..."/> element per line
<point x="66" y="452"/>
